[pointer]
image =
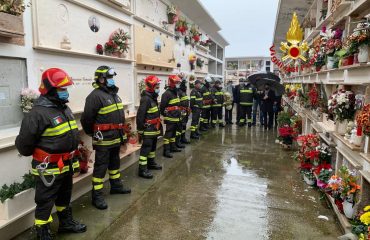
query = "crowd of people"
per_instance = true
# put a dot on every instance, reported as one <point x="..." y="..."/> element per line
<point x="49" y="133"/>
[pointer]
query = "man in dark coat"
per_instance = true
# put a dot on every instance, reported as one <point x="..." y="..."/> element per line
<point x="268" y="101"/>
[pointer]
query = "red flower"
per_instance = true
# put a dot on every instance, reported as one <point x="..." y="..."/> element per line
<point x="99" y="49"/>
<point x="196" y="38"/>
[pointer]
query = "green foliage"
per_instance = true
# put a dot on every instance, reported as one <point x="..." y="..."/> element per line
<point x="283" y="118"/>
<point x="13" y="7"/>
<point x="15" y="188"/>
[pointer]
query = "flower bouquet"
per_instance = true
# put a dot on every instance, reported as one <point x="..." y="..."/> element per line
<point x="28" y="96"/>
<point x="194" y="34"/>
<point x="342" y="105"/>
<point x="120" y="42"/>
<point x="99" y="49"/>
<point x="172" y="14"/>
<point x="192" y="60"/>
<point x="313" y="96"/>
<point x="363" y="121"/>
<point x="181" y="26"/>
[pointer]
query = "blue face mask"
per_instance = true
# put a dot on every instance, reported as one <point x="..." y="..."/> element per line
<point x="110" y="82"/>
<point x="157" y="90"/>
<point x="63" y="95"/>
<point x="178" y="85"/>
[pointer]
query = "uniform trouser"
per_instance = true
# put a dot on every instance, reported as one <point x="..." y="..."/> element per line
<point x="245" y="111"/>
<point x="238" y="113"/>
<point x="205" y="116"/>
<point x="170" y="134"/>
<point x="106" y="159"/>
<point x="147" y="150"/>
<point x="229" y="114"/>
<point x="59" y="194"/>
<point x="184" y="124"/>
<point x="217" y="115"/>
<point x="196" y="112"/>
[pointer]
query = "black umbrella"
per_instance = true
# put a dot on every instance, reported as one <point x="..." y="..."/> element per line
<point x="260" y="83"/>
<point x="266" y="75"/>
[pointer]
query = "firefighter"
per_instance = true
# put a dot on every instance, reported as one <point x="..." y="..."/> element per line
<point x="246" y="94"/>
<point x="171" y="111"/>
<point x="49" y="133"/>
<point x="196" y="104"/>
<point x="207" y="102"/>
<point x="218" y="103"/>
<point x="184" y="104"/>
<point x="148" y="124"/>
<point x="103" y="119"/>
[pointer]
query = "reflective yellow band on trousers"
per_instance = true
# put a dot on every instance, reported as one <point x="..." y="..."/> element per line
<point x="173" y="140"/>
<point x="246" y="104"/>
<point x="60" y="129"/>
<point x="39" y="222"/>
<point x="246" y="91"/>
<point x="151" y="133"/>
<point x="60" y="209"/>
<point x="171" y="119"/>
<point x="166" y="141"/>
<point x="98" y="186"/>
<point x="143" y="160"/>
<point x="51" y="171"/>
<point x="107" y="143"/>
<point x="151" y="155"/>
<point x="111" y="108"/>
<point x="97" y="180"/>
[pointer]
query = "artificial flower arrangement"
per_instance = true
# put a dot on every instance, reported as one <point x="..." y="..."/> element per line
<point x="172" y="14"/>
<point x="358" y="38"/>
<point x="287" y="133"/>
<point x="361" y="224"/>
<point x="194" y="34"/>
<point x="313" y="96"/>
<point x="205" y="41"/>
<point x="363" y="121"/>
<point x="191" y="81"/>
<point x="28" y="96"/>
<point x="192" y="60"/>
<point x="344" y="188"/>
<point x="297" y="124"/>
<point x="118" y="43"/>
<point x="181" y="26"/>
<point x="200" y="63"/>
<point x="342" y="105"/>
<point x="99" y="49"/>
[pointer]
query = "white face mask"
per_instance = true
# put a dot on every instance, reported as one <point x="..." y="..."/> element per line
<point x="157" y="90"/>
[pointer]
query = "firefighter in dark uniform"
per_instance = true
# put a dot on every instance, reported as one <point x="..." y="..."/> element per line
<point x="196" y="104"/>
<point x="148" y="124"/>
<point x="103" y="119"/>
<point x="245" y="95"/>
<point x="171" y="111"/>
<point x="185" y="107"/>
<point x="49" y="133"/>
<point x="218" y="103"/>
<point x="207" y="103"/>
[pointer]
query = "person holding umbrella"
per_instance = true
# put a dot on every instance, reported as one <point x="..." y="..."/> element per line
<point x="268" y="101"/>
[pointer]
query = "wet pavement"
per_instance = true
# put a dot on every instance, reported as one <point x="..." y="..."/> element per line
<point x="233" y="184"/>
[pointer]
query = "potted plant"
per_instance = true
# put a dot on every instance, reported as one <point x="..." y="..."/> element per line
<point x="350" y="190"/>
<point x="359" y="42"/>
<point x="194" y="34"/>
<point x="286" y="136"/>
<point x="99" y="49"/>
<point x="331" y="42"/>
<point x="181" y="26"/>
<point x="17" y="198"/>
<point x="200" y="63"/>
<point x="172" y="14"/>
<point x="363" y="124"/>
<point x="342" y="105"/>
<point x="109" y="48"/>
<point x="323" y="177"/>
<point x="361" y="224"/>
<point x="10" y="17"/>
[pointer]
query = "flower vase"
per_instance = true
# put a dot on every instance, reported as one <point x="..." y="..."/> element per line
<point x="357" y="140"/>
<point x="308" y="181"/>
<point x="367" y="145"/>
<point x="348" y="209"/>
<point x="342" y="127"/>
<point x="363" y="54"/>
<point x="330" y="63"/>
<point x="122" y="55"/>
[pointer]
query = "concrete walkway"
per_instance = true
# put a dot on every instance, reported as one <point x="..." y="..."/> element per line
<point x="232" y="184"/>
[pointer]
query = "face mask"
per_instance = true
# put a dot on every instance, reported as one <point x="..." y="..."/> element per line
<point x="157" y="90"/>
<point x="178" y="85"/>
<point x="63" y="95"/>
<point x="110" y="82"/>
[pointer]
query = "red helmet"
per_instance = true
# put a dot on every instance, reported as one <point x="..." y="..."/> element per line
<point x="151" y="82"/>
<point x="173" y="80"/>
<point x="54" y="78"/>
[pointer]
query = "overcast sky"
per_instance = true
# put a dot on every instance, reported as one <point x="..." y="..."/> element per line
<point x="248" y="25"/>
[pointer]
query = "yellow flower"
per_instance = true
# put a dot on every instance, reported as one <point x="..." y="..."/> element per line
<point x="365" y="218"/>
<point x="361" y="237"/>
<point x="367" y="208"/>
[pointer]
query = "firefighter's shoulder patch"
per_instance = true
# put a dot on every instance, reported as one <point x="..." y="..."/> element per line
<point x="57" y="120"/>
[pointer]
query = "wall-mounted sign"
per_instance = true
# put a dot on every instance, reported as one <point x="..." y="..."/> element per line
<point x="94" y="24"/>
<point x="293" y="49"/>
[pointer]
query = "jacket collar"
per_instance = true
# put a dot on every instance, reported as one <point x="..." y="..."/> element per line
<point x="46" y="102"/>
<point x="103" y="88"/>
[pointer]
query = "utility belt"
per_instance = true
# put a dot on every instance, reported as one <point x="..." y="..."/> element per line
<point x="208" y="102"/>
<point x="45" y="158"/>
<point x="156" y="122"/>
<point x="98" y="128"/>
<point x="171" y="109"/>
<point x="186" y="109"/>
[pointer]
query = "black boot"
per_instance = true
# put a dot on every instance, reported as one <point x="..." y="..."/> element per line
<point x="194" y="135"/>
<point x="98" y="200"/>
<point x="221" y="125"/>
<point x="174" y="148"/>
<point x="144" y="172"/>
<point x="152" y="165"/>
<point x="178" y="142"/>
<point x="249" y="125"/>
<point x="43" y="232"/>
<point x="184" y="140"/>
<point x="167" y="151"/>
<point x="116" y="187"/>
<point x="68" y="224"/>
